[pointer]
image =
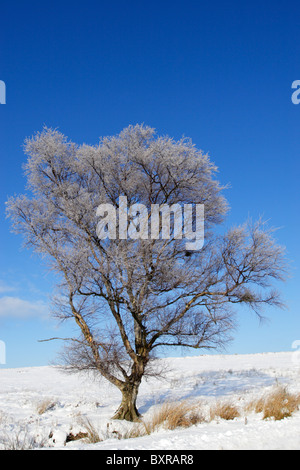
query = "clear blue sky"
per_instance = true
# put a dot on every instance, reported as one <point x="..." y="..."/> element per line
<point x="218" y="72"/>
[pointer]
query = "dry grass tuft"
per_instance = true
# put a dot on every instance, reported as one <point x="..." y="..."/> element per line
<point x="21" y="439"/>
<point x="226" y="411"/>
<point x="45" y="405"/>
<point x="174" y="415"/>
<point x="280" y="404"/>
<point x="255" y="405"/>
<point x="137" y="430"/>
<point x="91" y="435"/>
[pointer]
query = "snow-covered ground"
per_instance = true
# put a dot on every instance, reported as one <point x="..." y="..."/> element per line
<point x="71" y="401"/>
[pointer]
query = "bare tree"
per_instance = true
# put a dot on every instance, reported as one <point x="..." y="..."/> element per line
<point x="129" y="297"/>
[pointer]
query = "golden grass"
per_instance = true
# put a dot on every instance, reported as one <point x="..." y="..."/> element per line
<point x="278" y="404"/>
<point x="45" y="405"/>
<point x="91" y="435"/>
<point x="170" y="416"/>
<point x="174" y="415"/>
<point x="226" y="411"/>
<point x="256" y="405"/>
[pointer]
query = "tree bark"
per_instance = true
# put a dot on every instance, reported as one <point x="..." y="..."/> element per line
<point x="128" y="410"/>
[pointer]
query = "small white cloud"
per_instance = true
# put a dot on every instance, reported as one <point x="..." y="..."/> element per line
<point x="14" y="307"/>
<point x="4" y="288"/>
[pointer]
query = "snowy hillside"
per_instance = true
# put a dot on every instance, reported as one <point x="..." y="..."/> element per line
<point x="43" y="407"/>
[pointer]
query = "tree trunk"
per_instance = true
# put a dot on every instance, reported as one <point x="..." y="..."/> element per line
<point x="128" y="410"/>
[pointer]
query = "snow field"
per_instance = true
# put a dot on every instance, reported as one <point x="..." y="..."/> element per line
<point x="41" y="406"/>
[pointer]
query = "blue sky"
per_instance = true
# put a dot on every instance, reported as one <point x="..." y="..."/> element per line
<point x="218" y="72"/>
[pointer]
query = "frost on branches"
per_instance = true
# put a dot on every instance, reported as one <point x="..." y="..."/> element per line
<point x="131" y="297"/>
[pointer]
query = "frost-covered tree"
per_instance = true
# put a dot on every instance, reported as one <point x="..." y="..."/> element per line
<point x="130" y="297"/>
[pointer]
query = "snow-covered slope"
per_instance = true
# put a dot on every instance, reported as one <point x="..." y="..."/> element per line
<point x="43" y="405"/>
